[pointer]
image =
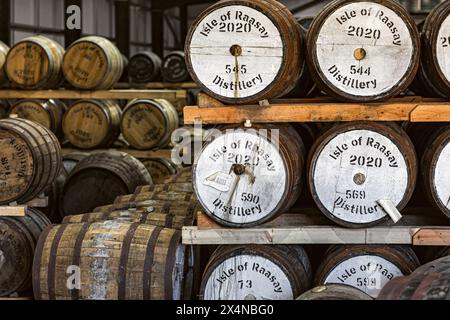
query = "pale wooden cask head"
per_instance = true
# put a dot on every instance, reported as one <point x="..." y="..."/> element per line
<point x="159" y="168"/>
<point x="32" y="110"/>
<point x="363" y="50"/>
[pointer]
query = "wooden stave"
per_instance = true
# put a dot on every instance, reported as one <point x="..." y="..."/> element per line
<point x="163" y="107"/>
<point x="164" y="195"/>
<point x="159" y="176"/>
<point x="283" y="256"/>
<point x="165" y="241"/>
<point x="54" y="54"/>
<point x="393" y="131"/>
<point x="340" y="95"/>
<point x="183" y="175"/>
<point x="53" y="193"/>
<point x="152" y="58"/>
<point x="163" y="206"/>
<point x="112" y="113"/>
<point x="283" y="82"/>
<point x="3" y="54"/>
<point x="173" y="187"/>
<point x="334" y="292"/>
<point x="74" y="157"/>
<point x="28" y="229"/>
<point x="115" y="63"/>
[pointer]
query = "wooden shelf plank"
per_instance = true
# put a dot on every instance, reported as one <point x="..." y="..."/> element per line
<point x="140" y="154"/>
<point x="157" y="85"/>
<point x="432" y="237"/>
<point x="13" y="211"/>
<point x="431" y="113"/>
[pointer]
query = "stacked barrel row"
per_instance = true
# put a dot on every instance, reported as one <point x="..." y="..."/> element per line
<point x="365" y="51"/>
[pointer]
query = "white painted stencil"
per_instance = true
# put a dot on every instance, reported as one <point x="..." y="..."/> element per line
<point x="380" y="32"/>
<point x="368" y="273"/>
<point x="442" y="176"/>
<point x="242" y="198"/>
<point x="443" y="48"/>
<point x="248" y="277"/>
<point x="217" y="68"/>
<point x="355" y="170"/>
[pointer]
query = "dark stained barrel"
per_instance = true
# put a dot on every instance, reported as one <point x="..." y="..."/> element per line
<point x="35" y="63"/>
<point x="48" y="113"/>
<point x="251" y="55"/>
<point x="366" y="267"/>
<point x="4" y="49"/>
<point x="160" y="168"/>
<point x="4" y="108"/>
<point x="238" y="171"/>
<point x="174" y="67"/>
<point x="18" y="239"/>
<point x="98" y="179"/>
<point x="354" y="165"/>
<point x="334" y="292"/>
<point x="145" y="67"/>
<point x="256" y="272"/>
<point x="117" y="261"/>
<point x="53" y="193"/>
<point x="31" y="160"/>
<point x="363" y="50"/>
<point x="71" y="160"/>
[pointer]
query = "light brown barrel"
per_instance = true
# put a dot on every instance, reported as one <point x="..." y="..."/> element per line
<point x="166" y="187"/>
<point x="18" y="239"/>
<point x="164" y="206"/>
<point x="117" y="261"/>
<point x="93" y="63"/>
<point x="35" y="63"/>
<point x="237" y="172"/>
<point x="30" y="162"/>
<point x="174" y="67"/>
<point x="160" y="168"/>
<point x="334" y="292"/>
<point x="363" y="50"/>
<point x="245" y="51"/>
<point x="163" y="195"/>
<point x="429" y="282"/>
<point x="354" y="165"/>
<point x="71" y="160"/>
<point x="48" y="113"/>
<point x="149" y="124"/>
<point x="98" y="179"/>
<point x="4" y="49"/>
<point x="145" y="67"/>
<point x="256" y="272"/>
<point x="367" y="268"/>
<point x="89" y="124"/>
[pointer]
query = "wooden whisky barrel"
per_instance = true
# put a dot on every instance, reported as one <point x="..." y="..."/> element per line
<point x="160" y="169"/>
<point x="117" y="261"/>
<point x="145" y="67"/>
<point x="363" y="50"/>
<point x="48" y="113"/>
<point x="429" y="282"/>
<point x="174" y="67"/>
<point x="164" y="206"/>
<point x="237" y="172"/>
<point x="149" y="124"/>
<point x="31" y="160"/>
<point x="18" y="239"/>
<point x="256" y="272"/>
<point x="4" y="49"/>
<point x="183" y="187"/>
<point x="183" y="175"/>
<point x="354" y="165"/>
<point x="163" y="195"/>
<point x="435" y="67"/>
<point x="334" y="292"/>
<point x="98" y="179"/>
<point x="435" y="170"/>
<point x="71" y="160"/>
<point x="4" y="108"/>
<point x="93" y="63"/>
<point x="367" y="268"/>
<point x="35" y="63"/>
<point x="245" y="51"/>
<point x="89" y="124"/>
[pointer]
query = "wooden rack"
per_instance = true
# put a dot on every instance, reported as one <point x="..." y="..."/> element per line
<point x="15" y="210"/>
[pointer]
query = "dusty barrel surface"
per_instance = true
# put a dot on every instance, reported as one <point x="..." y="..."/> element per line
<point x="367" y="268"/>
<point x="35" y="63"/>
<point x="117" y="261"/>
<point x="48" y="113"/>
<point x="144" y="67"/>
<point x="18" y="239"/>
<point x="89" y="124"/>
<point x="352" y="166"/>
<point x="174" y="67"/>
<point x="334" y="292"/>
<point x="31" y="160"/>
<point x="245" y="51"/>
<point x="156" y="195"/>
<point x="4" y="49"/>
<point x="363" y="50"/>
<point x="429" y="282"/>
<point x="166" y="187"/>
<point x="149" y="124"/>
<point x="160" y="168"/>
<point x="71" y="160"/>
<point x="164" y="206"/>
<point x="435" y="68"/>
<point x="256" y="272"/>
<point x="98" y="179"/>
<point x="93" y="63"/>
<point x="237" y="173"/>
